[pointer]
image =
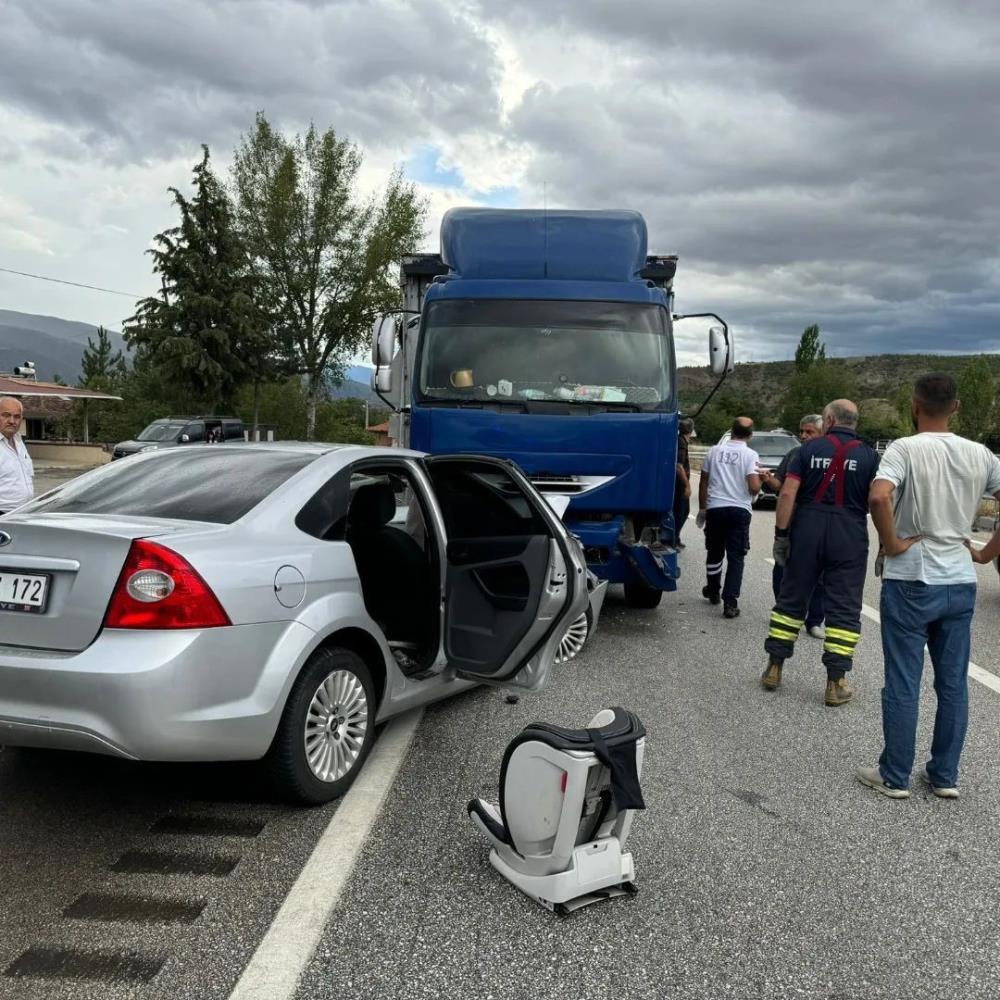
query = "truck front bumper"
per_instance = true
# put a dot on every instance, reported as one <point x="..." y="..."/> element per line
<point x="610" y="557"/>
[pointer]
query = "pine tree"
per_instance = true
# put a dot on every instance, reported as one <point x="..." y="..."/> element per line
<point x="102" y="367"/>
<point x="206" y="333"/>
<point x="810" y="350"/>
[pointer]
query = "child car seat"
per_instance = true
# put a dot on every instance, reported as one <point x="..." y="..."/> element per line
<point x="567" y="798"/>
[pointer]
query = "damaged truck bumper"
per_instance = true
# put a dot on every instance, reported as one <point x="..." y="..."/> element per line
<point x="613" y="555"/>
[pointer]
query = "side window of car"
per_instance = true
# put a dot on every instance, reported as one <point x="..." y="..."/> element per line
<point x="195" y="431"/>
<point x="326" y="514"/>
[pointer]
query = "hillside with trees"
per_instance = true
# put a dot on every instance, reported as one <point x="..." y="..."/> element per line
<point x="778" y="393"/>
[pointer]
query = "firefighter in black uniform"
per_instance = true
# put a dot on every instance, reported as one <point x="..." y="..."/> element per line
<point x="821" y="529"/>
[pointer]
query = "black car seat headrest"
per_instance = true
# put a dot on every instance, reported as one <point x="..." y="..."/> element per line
<point x="373" y="506"/>
<point x="613" y="744"/>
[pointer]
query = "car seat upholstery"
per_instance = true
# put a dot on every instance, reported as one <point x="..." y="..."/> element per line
<point x="393" y="568"/>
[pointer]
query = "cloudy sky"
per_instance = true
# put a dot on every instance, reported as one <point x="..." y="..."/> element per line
<point x="809" y="162"/>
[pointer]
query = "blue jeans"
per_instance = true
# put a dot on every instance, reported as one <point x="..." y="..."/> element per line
<point x="940" y="616"/>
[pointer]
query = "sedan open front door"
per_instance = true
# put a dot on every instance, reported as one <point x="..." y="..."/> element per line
<point x="515" y="578"/>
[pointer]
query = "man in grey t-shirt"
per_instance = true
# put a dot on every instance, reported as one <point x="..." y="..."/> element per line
<point x="922" y="500"/>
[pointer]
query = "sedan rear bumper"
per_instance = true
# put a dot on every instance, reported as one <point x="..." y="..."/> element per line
<point x="214" y="694"/>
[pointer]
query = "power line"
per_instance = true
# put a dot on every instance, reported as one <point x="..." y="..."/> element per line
<point x="75" y="284"/>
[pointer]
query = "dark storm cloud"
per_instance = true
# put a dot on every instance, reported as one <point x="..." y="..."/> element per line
<point x="138" y="80"/>
<point x="827" y="162"/>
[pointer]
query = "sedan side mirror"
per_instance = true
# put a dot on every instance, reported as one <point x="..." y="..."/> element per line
<point x="721" y="353"/>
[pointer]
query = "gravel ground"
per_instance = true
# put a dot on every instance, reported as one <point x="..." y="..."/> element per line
<point x="765" y="870"/>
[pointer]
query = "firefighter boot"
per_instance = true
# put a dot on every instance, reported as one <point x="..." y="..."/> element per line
<point x="771" y="678"/>
<point x="838" y="691"/>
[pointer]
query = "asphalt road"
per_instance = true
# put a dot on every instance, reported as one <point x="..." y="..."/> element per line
<point x="128" y="880"/>
<point x="764" y="869"/>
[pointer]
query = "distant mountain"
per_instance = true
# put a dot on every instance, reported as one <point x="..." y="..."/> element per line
<point x="350" y="388"/>
<point x="55" y="345"/>
<point x="359" y="373"/>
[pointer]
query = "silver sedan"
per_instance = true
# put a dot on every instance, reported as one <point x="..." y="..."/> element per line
<point x="274" y="602"/>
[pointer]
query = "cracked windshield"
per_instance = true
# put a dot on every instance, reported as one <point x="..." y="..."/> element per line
<point x="611" y="353"/>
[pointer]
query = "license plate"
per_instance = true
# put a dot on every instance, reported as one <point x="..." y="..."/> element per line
<point x="23" y="592"/>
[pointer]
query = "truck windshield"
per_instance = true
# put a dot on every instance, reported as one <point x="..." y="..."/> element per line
<point x="569" y="351"/>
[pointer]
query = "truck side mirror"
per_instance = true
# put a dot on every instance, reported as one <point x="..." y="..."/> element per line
<point x="721" y="350"/>
<point x="384" y="340"/>
<point x="382" y="381"/>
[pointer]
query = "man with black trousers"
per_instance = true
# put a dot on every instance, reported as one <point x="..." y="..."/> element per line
<point x="730" y="479"/>
<point x="810" y="427"/>
<point x="821" y="530"/>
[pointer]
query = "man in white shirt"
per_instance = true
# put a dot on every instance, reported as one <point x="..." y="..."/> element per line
<point x="17" y="474"/>
<point x="922" y="501"/>
<point x="729" y="482"/>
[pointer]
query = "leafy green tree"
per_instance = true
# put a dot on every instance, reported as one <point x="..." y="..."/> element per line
<point x="880" y="419"/>
<point x="903" y="401"/>
<point x="718" y="416"/>
<point x="343" y="421"/>
<point x="205" y="333"/>
<point x="977" y="392"/>
<point x="811" y="389"/>
<point x="323" y="253"/>
<point x="811" y="350"/>
<point x="102" y="367"/>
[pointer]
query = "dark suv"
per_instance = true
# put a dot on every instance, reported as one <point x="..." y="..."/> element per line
<point x="168" y="432"/>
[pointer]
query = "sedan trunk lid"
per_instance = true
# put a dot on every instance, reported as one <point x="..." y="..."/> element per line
<point x="80" y="557"/>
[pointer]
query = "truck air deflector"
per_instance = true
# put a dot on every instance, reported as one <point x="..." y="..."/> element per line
<point x="539" y="244"/>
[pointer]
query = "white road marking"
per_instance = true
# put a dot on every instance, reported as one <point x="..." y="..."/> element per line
<point x="985" y="677"/>
<point x="274" y="970"/>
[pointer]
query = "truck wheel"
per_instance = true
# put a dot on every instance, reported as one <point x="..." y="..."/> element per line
<point x="639" y="595"/>
<point x="326" y="730"/>
<point x="576" y="637"/>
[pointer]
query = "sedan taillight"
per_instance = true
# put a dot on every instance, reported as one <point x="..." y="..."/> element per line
<point x="158" y="589"/>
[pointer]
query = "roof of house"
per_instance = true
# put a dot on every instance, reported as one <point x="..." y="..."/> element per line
<point x="380" y="428"/>
<point x="11" y="386"/>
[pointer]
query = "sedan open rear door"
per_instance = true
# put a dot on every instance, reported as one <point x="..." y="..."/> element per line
<point x="515" y="577"/>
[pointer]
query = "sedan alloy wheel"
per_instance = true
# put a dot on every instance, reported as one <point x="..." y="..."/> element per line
<point x="327" y="728"/>
<point x="575" y="638"/>
<point x="336" y="725"/>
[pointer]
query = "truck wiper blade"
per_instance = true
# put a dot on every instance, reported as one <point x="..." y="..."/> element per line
<point x="599" y="405"/>
<point x="473" y="404"/>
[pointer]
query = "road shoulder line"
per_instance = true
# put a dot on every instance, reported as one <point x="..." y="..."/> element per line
<point x="274" y="970"/>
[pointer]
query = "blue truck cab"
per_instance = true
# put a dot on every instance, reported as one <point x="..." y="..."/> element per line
<point x="546" y="338"/>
